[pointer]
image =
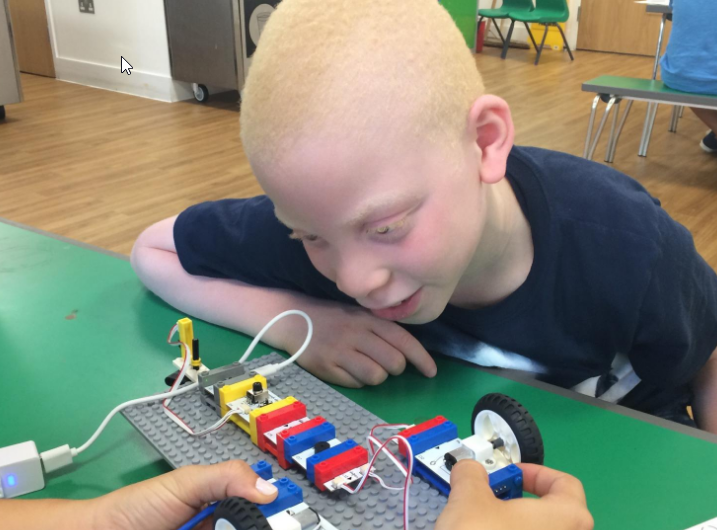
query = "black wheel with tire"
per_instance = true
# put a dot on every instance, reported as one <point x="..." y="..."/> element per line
<point x="235" y="513"/>
<point x="500" y="416"/>
<point x="2" y="112"/>
<point x="201" y="93"/>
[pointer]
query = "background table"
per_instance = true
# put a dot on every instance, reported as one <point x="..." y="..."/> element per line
<point x="79" y="334"/>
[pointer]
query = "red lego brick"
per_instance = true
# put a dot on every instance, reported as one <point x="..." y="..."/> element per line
<point x="336" y="465"/>
<point x="421" y="427"/>
<point x="277" y="418"/>
<point x="283" y="435"/>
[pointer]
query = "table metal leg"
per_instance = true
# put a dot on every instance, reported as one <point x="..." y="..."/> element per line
<point x="590" y="126"/>
<point x="611" y="155"/>
<point x="674" y="118"/>
<point x="608" y="108"/>
<point x="647" y="128"/>
<point x="659" y="46"/>
<point x="611" y="138"/>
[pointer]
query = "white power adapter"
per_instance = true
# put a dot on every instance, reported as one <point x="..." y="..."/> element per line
<point x="20" y="470"/>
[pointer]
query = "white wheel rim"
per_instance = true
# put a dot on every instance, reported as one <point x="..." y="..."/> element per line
<point x="491" y="425"/>
<point x="199" y="94"/>
<point x="223" y="524"/>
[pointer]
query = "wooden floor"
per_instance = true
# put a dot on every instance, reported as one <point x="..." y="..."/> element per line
<point x="98" y="166"/>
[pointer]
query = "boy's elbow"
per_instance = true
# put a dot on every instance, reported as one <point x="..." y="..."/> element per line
<point x="148" y="250"/>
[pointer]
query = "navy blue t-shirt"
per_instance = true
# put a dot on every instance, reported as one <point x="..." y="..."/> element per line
<point x="618" y="303"/>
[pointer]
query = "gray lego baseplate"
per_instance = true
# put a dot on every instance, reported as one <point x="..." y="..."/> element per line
<point x="372" y="507"/>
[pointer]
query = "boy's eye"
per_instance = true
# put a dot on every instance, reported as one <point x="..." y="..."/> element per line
<point x="387" y="229"/>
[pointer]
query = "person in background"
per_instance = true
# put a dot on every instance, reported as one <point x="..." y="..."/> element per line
<point x="690" y="61"/>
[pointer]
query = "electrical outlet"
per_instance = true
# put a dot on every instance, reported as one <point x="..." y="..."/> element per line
<point x="87" y="6"/>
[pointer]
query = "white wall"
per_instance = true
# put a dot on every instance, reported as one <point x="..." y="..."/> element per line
<point x="88" y="47"/>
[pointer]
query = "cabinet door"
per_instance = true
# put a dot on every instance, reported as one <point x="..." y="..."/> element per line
<point x="619" y="26"/>
<point x="32" y="38"/>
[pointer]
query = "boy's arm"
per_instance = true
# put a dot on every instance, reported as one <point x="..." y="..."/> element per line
<point x="350" y="347"/>
<point x="705" y="390"/>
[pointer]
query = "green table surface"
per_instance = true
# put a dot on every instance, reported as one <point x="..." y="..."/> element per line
<point x="79" y="335"/>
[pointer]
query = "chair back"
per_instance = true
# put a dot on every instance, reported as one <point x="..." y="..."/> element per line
<point x="558" y="7"/>
<point x="518" y="5"/>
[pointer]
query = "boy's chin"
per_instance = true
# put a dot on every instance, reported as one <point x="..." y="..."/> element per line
<point x="422" y="316"/>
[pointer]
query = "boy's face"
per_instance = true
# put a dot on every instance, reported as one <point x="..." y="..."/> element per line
<point x="394" y="226"/>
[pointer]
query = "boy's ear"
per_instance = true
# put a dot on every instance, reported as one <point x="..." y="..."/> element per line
<point x="491" y="125"/>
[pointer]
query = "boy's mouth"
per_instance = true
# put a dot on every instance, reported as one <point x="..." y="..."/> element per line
<point x="401" y="310"/>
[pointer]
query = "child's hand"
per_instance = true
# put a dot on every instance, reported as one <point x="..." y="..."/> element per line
<point x="472" y="505"/>
<point x="352" y="348"/>
<point x="170" y="500"/>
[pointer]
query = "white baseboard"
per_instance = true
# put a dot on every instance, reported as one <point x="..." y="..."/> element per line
<point x="143" y="84"/>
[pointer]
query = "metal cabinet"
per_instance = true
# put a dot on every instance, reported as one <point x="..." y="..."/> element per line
<point x="211" y="42"/>
<point x="10" y="89"/>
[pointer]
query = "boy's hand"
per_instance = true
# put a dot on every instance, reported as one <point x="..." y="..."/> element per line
<point x="352" y="348"/>
<point x="472" y="505"/>
<point x="169" y="501"/>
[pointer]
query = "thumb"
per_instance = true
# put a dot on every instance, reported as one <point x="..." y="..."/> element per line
<point x="198" y="485"/>
<point x="470" y="494"/>
<point x="469" y="484"/>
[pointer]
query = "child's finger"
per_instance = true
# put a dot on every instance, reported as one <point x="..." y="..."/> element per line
<point x="363" y="368"/>
<point x="469" y="485"/>
<point x="407" y="344"/>
<point x="198" y="485"/>
<point x="543" y="481"/>
<point x="383" y="353"/>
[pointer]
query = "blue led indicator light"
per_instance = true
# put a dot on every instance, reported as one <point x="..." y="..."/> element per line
<point x="11" y="480"/>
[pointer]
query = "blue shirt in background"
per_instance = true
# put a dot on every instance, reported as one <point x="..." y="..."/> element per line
<point x="690" y="61"/>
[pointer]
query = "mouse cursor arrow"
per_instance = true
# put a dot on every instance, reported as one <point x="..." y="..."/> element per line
<point x="125" y="66"/>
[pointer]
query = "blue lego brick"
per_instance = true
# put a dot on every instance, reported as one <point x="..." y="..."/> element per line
<point x="425" y="473"/>
<point x="507" y="483"/>
<point x="325" y="455"/>
<point x="289" y="495"/>
<point x="263" y="469"/>
<point x="423" y="441"/>
<point x="302" y="441"/>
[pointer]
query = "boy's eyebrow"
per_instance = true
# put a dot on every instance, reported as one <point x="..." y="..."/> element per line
<point x="383" y="204"/>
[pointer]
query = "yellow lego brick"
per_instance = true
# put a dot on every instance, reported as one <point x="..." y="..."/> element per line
<point x="186" y="333"/>
<point x="263" y="410"/>
<point x="229" y="393"/>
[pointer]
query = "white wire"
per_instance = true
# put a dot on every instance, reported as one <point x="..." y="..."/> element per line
<point x="179" y="391"/>
<point x="385" y="451"/>
<point x="273" y="321"/>
<point x="383" y="484"/>
<point x="118" y="408"/>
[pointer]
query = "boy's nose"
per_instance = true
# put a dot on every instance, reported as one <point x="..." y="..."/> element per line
<point x="360" y="280"/>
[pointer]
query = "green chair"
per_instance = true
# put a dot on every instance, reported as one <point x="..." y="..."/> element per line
<point x="547" y="12"/>
<point x="509" y="6"/>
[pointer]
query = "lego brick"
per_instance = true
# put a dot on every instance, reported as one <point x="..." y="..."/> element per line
<point x="421" y="427"/>
<point x="263" y="469"/>
<point x="507" y="483"/>
<point x="229" y="393"/>
<point x="283" y="435"/>
<point x="222" y="373"/>
<point x="313" y="461"/>
<point x="272" y="416"/>
<point x="371" y="509"/>
<point x="432" y="437"/>
<point x="289" y="495"/>
<point x="339" y="464"/>
<point x="298" y="443"/>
